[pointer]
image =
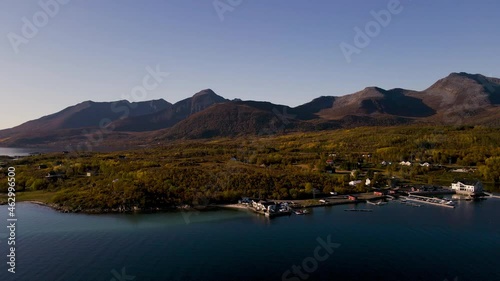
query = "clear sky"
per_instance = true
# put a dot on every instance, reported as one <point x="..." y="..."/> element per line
<point x="283" y="51"/>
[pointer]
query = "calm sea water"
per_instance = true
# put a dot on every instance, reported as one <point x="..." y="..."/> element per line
<point x="12" y="151"/>
<point x="394" y="242"/>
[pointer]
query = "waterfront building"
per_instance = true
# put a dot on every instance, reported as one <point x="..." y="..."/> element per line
<point x="467" y="187"/>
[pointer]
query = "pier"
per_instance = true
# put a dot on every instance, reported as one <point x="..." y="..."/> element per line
<point x="379" y="203"/>
<point x="429" y="200"/>
<point x="491" y="195"/>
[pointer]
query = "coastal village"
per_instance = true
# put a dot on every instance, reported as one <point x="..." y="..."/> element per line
<point x="414" y="197"/>
<point x="409" y="194"/>
<point x="273" y="178"/>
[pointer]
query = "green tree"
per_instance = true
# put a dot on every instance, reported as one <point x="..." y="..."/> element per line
<point x="309" y="187"/>
<point x="327" y="189"/>
<point x="39" y="184"/>
<point x="491" y="169"/>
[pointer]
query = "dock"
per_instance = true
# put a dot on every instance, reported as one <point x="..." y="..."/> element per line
<point x="379" y="203"/>
<point x="429" y="200"/>
<point x="271" y="214"/>
<point x="491" y="195"/>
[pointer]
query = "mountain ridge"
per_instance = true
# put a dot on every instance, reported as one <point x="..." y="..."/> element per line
<point x="459" y="98"/>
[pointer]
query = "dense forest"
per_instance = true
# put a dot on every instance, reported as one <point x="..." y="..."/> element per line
<point x="291" y="166"/>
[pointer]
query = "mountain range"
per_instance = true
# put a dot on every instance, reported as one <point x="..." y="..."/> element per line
<point x="459" y="98"/>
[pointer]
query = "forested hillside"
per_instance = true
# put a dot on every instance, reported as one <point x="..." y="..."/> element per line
<point x="279" y="167"/>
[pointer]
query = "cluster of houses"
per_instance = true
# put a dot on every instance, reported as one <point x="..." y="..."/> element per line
<point x="463" y="187"/>
<point x="408" y="163"/>
<point x="356" y="182"/>
<point x="425" y="188"/>
<point x="383" y="192"/>
<point x="267" y="207"/>
<point x="271" y="207"/>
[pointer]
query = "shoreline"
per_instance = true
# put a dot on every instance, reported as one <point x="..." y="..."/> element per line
<point x="181" y="208"/>
<point x="300" y="204"/>
<point x="185" y="208"/>
<point x="297" y="204"/>
<point x="234" y="206"/>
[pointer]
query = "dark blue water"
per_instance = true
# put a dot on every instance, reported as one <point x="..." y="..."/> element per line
<point x="13" y="152"/>
<point x="395" y="242"/>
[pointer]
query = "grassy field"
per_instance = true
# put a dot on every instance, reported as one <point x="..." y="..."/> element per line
<point x="37" y="196"/>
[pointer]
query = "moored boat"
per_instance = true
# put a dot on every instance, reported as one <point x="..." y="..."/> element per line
<point x="301" y="212"/>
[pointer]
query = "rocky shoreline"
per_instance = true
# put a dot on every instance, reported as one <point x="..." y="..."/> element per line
<point x="122" y="210"/>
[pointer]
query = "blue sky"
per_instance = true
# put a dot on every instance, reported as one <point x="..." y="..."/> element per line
<point x="283" y="51"/>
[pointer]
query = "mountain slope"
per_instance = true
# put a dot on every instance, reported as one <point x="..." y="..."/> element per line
<point x="90" y="114"/>
<point x="459" y="98"/>
<point x="377" y="102"/>
<point x="170" y="115"/>
<point x="235" y="118"/>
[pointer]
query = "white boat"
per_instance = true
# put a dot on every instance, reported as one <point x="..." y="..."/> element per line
<point x="376" y="203"/>
<point x="301" y="212"/>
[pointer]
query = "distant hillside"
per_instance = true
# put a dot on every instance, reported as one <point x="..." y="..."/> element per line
<point x="90" y="114"/>
<point x="170" y="115"/>
<point x="72" y="120"/>
<point x="457" y="99"/>
<point x="461" y="96"/>
<point x="235" y="118"/>
<point x="373" y="101"/>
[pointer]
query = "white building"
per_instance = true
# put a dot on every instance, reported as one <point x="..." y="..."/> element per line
<point x="354" y="183"/>
<point x="467" y="187"/>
